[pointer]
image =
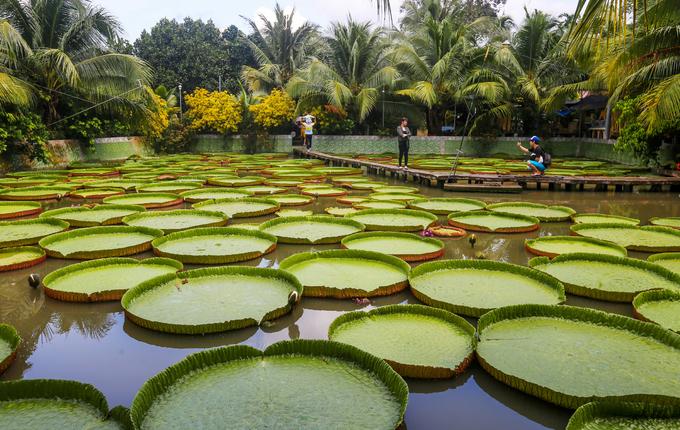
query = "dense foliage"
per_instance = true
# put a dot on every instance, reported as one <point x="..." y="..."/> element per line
<point x="213" y="112"/>
<point x="273" y="111"/>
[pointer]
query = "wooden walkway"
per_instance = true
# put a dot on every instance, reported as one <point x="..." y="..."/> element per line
<point x="490" y="181"/>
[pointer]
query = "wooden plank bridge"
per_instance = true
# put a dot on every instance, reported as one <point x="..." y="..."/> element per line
<point x="501" y="183"/>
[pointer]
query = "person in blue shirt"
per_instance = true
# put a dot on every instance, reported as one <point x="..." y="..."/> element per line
<point x="536" y="162"/>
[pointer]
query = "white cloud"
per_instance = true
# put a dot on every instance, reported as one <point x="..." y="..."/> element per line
<point x="268" y="13"/>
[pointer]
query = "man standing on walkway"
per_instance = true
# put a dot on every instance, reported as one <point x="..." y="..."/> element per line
<point x="404" y="139"/>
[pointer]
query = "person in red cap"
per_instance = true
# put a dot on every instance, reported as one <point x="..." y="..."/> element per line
<point x="537" y="156"/>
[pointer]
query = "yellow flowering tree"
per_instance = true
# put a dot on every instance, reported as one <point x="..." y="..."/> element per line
<point x="157" y="117"/>
<point x="274" y="110"/>
<point x="213" y="112"/>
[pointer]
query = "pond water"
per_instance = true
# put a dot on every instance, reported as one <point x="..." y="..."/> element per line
<point x="94" y="343"/>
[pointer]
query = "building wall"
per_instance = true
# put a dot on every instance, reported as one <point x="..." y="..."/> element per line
<point x="217" y="143"/>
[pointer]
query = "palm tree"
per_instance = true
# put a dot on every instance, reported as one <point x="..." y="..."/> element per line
<point x="636" y="50"/>
<point x="279" y="50"/>
<point x="55" y="48"/>
<point x="435" y="52"/>
<point x="354" y="74"/>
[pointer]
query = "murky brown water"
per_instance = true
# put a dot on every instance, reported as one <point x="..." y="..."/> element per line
<point x="93" y="343"/>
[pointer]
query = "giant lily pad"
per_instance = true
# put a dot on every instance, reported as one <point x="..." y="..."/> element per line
<point x="594" y="218"/>
<point x="672" y="222"/>
<point x="20" y="258"/>
<point x="217" y="245"/>
<point x="498" y="222"/>
<point x="606" y="277"/>
<point x="473" y="287"/>
<point x="399" y="197"/>
<point x="291" y="199"/>
<point x="445" y="206"/>
<point x="104" y="279"/>
<point x="9" y="342"/>
<point x="645" y="239"/>
<point x="570" y="356"/>
<point x="211" y="300"/>
<point x="168" y="187"/>
<point x="148" y="200"/>
<point x="407" y="246"/>
<point x="552" y="246"/>
<point x="56" y="404"/>
<point x="668" y="260"/>
<point x="542" y="212"/>
<point x="35" y="193"/>
<point x="263" y="190"/>
<point x="379" y="204"/>
<point x="631" y="415"/>
<point x="19" y="209"/>
<point x="396" y="189"/>
<point x="236" y="182"/>
<point x="96" y="193"/>
<point x="363" y="390"/>
<point x="315" y="229"/>
<point x="204" y="194"/>
<point x="659" y="306"/>
<point x="84" y="216"/>
<point x="417" y="341"/>
<point x="99" y="242"/>
<point x="348" y="273"/>
<point x="172" y="221"/>
<point x="394" y="219"/>
<point x="338" y="211"/>
<point x="28" y="232"/>
<point x="324" y="192"/>
<point x="240" y="207"/>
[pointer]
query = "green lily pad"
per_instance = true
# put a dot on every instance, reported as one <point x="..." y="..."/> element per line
<point x="168" y="187"/>
<point x="578" y="354"/>
<point x="9" y="342"/>
<point x="617" y="414"/>
<point x="172" y="221"/>
<point x="552" y="246"/>
<point x="211" y="300"/>
<point x="365" y="391"/>
<point x="96" y="193"/>
<point x="216" y="245"/>
<point x="668" y="260"/>
<point x="148" y="200"/>
<point x="544" y="213"/>
<point x="417" y="341"/>
<point x="606" y="277"/>
<point x="126" y="184"/>
<point x="324" y="192"/>
<point x="84" y="216"/>
<point x="497" y="222"/>
<point x="236" y="182"/>
<point x="105" y="279"/>
<point x="338" y="211"/>
<point x="56" y="404"/>
<point x="396" y="189"/>
<point x="291" y="199"/>
<point x="287" y="183"/>
<point x="315" y="229"/>
<point x="394" y="219"/>
<point x="407" y="246"/>
<point x="445" y="206"/>
<point x="672" y="222"/>
<point x="28" y="232"/>
<point x="644" y="239"/>
<point x="593" y="218"/>
<point x="99" y="242"/>
<point x="35" y="193"/>
<point x="240" y="207"/>
<point x="348" y="273"/>
<point x="659" y="306"/>
<point x="204" y="194"/>
<point x="398" y="197"/>
<point x="20" y="258"/>
<point x="351" y="200"/>
<point x="378" y="204"/>
<point x="10" y="210"/>
<point x="259" y="190"/>
<point x="474" y="287"/>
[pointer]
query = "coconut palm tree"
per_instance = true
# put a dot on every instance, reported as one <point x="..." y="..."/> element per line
<point x="51" y="49"/>
<point x="634" y="50"/>
<point x="353" y="75"/>
<point x="279" y="49"/>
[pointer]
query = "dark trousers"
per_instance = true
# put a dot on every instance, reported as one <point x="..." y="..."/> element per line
<point x="403" y="151"/>
<point x="308" y="139"/>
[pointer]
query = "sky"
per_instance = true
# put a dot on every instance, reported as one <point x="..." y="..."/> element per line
<point x="137" y="15"/>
